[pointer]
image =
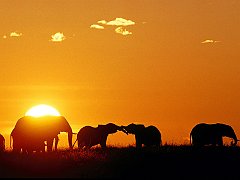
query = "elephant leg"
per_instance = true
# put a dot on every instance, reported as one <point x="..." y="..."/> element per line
<point x="220" y="141"/>
<point x="25" y="148"/>
<point x="56" y="142"/>
<point x="103" y="145"/>
<point x="214" y="140"/>
<point x="157" y="145"/>
<point x="3" y="146"/>
<point x="138" y="142"/>
<point x="87" y="146"/>
<point x="45" y="145"/>
<point x="29" y="150"/>
<point x="138" y="145"/>
<point x="49" y="145"/>
<point x="16" y="146"/>
<point x="41" y="147"/>
<point x="81" y="145"/>
<point x="16" y="149"/>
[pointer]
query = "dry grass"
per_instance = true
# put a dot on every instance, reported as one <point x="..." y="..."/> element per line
<point x="114" y="162"/>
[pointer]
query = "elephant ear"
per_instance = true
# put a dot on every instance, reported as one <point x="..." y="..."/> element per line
<point x="135" y="128"/>
<point x="102" y="129"/>
<point x="108" y="128"/>
<point x="112" y="128"/>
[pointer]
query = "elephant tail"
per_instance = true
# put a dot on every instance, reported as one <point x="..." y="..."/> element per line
<point x="75" y="142"/>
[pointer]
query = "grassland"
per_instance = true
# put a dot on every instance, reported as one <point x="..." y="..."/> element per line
<point x="170" y="161"/>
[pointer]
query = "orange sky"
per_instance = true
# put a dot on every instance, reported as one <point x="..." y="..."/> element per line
<point x="171" y="64"/>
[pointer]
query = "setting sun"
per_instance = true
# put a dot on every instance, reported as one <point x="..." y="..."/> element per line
<point x="42" y="110"/>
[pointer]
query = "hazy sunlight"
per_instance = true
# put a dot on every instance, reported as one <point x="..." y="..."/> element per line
<point x="42" y="110"/>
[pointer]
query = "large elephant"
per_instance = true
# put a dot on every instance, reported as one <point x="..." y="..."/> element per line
<point x="2" y="143"/>
<point x="31" y="133"/>
<point x="89" y="136"/>
<point x="148" y="136"/>
<point x="211" y="134"/>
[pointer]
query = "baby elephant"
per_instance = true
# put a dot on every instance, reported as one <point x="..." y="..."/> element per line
<point x="2" y="143"/>
<point x="89" y="136"/>
<point x="149" y="136"/>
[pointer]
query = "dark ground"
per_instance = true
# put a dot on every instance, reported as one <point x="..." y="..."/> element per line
<point x="169" y="162"/>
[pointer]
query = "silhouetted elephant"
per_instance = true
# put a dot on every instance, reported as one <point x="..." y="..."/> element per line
<point x="149" y="136"/>
<point x="2" y="143"/>
<point x="30" y="133"/>
<point x="211" y="134"/>
<point x="38" y="145"/>
<point x="89" y="136"/>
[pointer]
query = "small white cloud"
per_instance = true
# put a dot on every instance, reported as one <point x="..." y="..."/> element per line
<point x="15" y="34"/>
<point x="102" y="22"/>
<point x="5" y="37"/>
<point x="122" y="31"/>
<point x="58" y="37"/>
<point x="96" y="26"/>
<point x="120" y="22"/>
<point x="116" y="22"/>
<point x="209" y="41"/>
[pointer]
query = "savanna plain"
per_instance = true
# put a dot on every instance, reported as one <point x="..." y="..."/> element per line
<point x="169" y="161"/>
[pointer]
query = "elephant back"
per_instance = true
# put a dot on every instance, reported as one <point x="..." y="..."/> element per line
<point x="201" y="129"/>
<point x="151" y="136"/>
<point x="89" y="136"/>
<point x="109" y="128"/>
<point x="202" y="134"/>
<point x="86" y="131"/>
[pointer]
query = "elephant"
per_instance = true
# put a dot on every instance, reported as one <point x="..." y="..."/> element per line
<point x="30" y="133"/>
<point x="89" y="136"/>
<point x="148" y="136"/>
<point x="38" y="145"/>
<point x="2" y="143"/>
<point x="211" y="134"/>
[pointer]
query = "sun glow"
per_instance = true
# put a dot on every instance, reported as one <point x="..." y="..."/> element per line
<point x="42" y="110"/>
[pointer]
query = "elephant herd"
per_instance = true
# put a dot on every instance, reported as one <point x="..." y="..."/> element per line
<point x="34" y="134"/>
<point x="89" y="136"/>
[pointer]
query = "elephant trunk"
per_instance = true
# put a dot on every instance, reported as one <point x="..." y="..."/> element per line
<point x="235" y="140"/>
<point x="122" y="128"/>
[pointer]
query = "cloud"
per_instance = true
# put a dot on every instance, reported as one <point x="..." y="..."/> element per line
<point x="96" y="26"/>
<point x="209" y="41"/>
<point x="58" y="37"/>
<point x="15" y="34"/>
<point x="116" y="22"/>
<point x="120" y="22"/>
<point x="102" y="22"/>
<point x="12" y="35"/>
<point x="122" y="31"/>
